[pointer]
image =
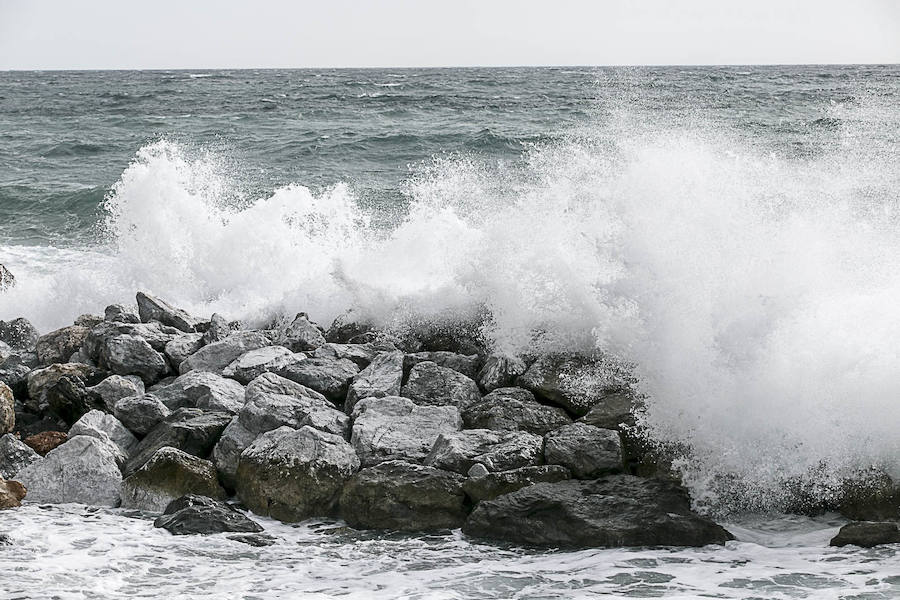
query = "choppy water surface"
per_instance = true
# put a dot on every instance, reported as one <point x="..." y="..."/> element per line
<point x="73" y="552"/>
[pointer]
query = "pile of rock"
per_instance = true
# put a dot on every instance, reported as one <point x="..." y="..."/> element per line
<point x="160" y="411"/>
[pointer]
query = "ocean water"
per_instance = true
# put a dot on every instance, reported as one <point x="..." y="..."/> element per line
<point x="731" y="232"/>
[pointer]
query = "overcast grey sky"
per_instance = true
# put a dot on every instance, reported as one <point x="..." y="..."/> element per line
<point x="104" y="34"/>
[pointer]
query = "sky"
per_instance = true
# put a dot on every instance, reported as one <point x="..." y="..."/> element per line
<point x="193" y="34"/>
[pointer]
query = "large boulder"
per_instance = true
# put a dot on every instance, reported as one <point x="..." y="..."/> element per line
<point x="14" y="369"/>
<point x="615" y="410"/>
<point x="433" y="385"/>
<point x="403" y="496"/>
<point x="514" y="409"/>
<point x="57" y="346"/>
<point x="204" y="390"/>
<point x="199" y="515"/>
<point x="120" y="313"/>
<point x="361" y="354"/>
<point x="189" y="429"/>
<point x="11" y="493"/>
<point x="587" y="451"/>
<point x="155" y="334"/>
<point x="301" y="335"/>
<point x="576" y="383"/>
<point x="295" y="474"/>
<point x="273" y="402"/>
<point x="348" y="328"/>
<point x="105" y="427"/>
<point x="167" y="476"/>
<point x="115" y="387"/>
<point x="83" y="470"/>
<point x="219" y="328"/>
<point x="217" y="356"/>
<point x="383" y="377"/>
<point x="484" y="485"/>
<point x="15" y="456"/>
<point x="180" y="347"/>
<point x="133" y="355"/>
<point x="7" y="409"/>
<point x="41" y="380"/>
<point x="69" y="399"/>
<point x="329" y="376"/>
<point x="500" y="371"/>
<point x="252" y="364"/>
<point x="615" y="511"/>
<point x="19" y="334"/>
<point x="496" y="450"/>
<point x="154" y="309"/>
<point x="141" y="414"/>
<point x="867" y="534"/>
<point x="466" y="364"/>
<point x="397" y="428"/>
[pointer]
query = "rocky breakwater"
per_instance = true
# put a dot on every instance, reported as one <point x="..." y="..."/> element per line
<point x="156" y="410"/>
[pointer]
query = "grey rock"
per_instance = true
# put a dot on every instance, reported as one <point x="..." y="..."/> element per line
<point x="867" y="534"/>
<point x="487" y="486"/>
<point x="7" y="409"/>
<point x="461" y="363"/>
<point x="500" y="371"/>
<point x="19" y="334"/>
<point x="396" y="428"/>
<point x="432" y="385"/>
<point x="383" y="377"/>
<point x="168" y="475"/>
<point x="199" y="515"/>
<point x="615" y="410"/>
<point x="115" y="387"/>
<point x="141" y="414"/>
<point x="301" y="335"/>
<point x="69" y="399"/>
<point x="88" y="320"/>
<point x="7" y="279"/>
<point x="218" y="330"/>
<point x="330" y="377"/>
<point x="155" y="334"/>
<point x="154" y="309"/>
<point x="120" y="314"/>
<point x="295" y="474"/>
<point x="514" y="409"/>
<point x="403" y="496"/>
<point x="189" y="429"/>
<point x="202" y="389"/>
<point x="496" y="450"/>
<point x="14" y="369"/>
<point x="361" y="354"/>
<point x="40" y="382"/>
<point x="346" y="328"/>
<point x="133" y="355"/>
<point x="587" y="451"/>
<point x="15" y="456"/>
<point x="105" y="427"/>
<point x="57" y="346"/>
<point x="574" y="382"/>
<point x="79" y="356"/>
<point x="218" y="355"/>
<point x="252" y="364"/>
<point x="182" y="346"/>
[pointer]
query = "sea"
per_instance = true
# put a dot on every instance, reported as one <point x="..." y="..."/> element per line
<point x="731" y="234"/>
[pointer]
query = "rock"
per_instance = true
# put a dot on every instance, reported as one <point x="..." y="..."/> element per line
<point x="14" y="369"/>
<point x="15" y="456"/>
<point x="7" y="279"/>
<point x="500" y="371"/>
<point x="396" y="428"/>
<point x="252" y="364"/>
<point x="44" y="442"/>
<point x="218" y="355"/>
<point x="105" y="427"/>
<point x="467" y="365"/>
<point x="615" y="511"/>
<point x="346" y="328"/>
<point x="11" y="492"/>
<point x="403" y="496"/>
<point x="80" y="357"/>
<point x="876" y="498"/>
<point x="218" y="330"/>
<point x="614" y="411"/>
<point x="432" y="385"/>
<point x="115" y="387"/>
<point x="141" y="414"/>
<point x="133" y="355"/>
<point x="514" y="409"/>
<point x="360" y="354"/>
<point x="253" y="539"/>
<point x="154" y="309"/>
<point x="328" y="376"/>
<point x="867" y="534"/>
<point x="295" y="474"/>
<point x="193" y="515"/>
<point x="167" y="476"/>
<point x="57" y="346"/>
<point x="383" y="377"/>
<point x="189" y="429"/>
<point x="19" y="334"/>
<point x="273" y="402"/>
<point x="155" y="334"/>
<point x="587" y="451"/>
<point x="83" y="470"/>
<point x="301" y="335"/>
<point x="496" y="450"/>
<point x="69" y="399"/>
<point x="41" y="380"/>
<point x="576" y="383"/>
<point x="118" y="313"/>
<point x="88" y="320"/>
<point x="484" y="485"/>
<point x="182" y="346"/>
<point x="7" y="409"/>
<point x="202" y="389"/>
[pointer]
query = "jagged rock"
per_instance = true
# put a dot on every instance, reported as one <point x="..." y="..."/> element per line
<point x="202" y="389"/>
<point x="361" y="354"/>
<point x="330" y="377"/>
<point x="155" y="334"/>
<point x="273" y="402"/>
<point x="500" y="371"/>
<point x="218" y="330"/>
<point x="57" y="346"/>
<point x="41" y="380"/>
<point x="615" y="511"/>
<point x="189" y="429"/>
<point x="346" y="328"/>
<point x="84" y="470"/>
<point x="514" y="409"/>
<point x="192" y="515"/>
<point x="585" y="450"/>
<point x="7" y="279"/>
<point x="7" y="409"/>
<point x="105" y="427"/>
<point x="180" y="347"/>
<point x="614" y="411"/>
<point x="69" y="399"/>
<point x="19" y="334"/>
<point x="496" y="450"/>
<point x="120" y="314"/>
<point x="154" y="309"/>
<point x="867" y="534"/>
<point x="133" y="355"/>
<point x="141" y="414"/>
<point x="576" y="383"/>
<point x="403" y="496"/>
<point x="115" y="387"/>
<point x="252" y="364"/>
<point x="432" y="385"/>
<point x="396" y="428"/>
<point x="14" y="369"/>
<point x="301" y="335"/>
<point x="11" y="492"/>
<point x="467" y="365"/>
<point x="15" y="456"/>
<point x="383" y="377"/>
<point x="168" y="475"/>
<point x="218" y="355"/>
<point x="484" y="485"/>
<point x="295" y="474"/>
<point x="45" y="441"/>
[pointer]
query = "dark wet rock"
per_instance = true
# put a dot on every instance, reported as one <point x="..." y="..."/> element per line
<point x="189" y="429"/>
<point x="876" y="498"/>
<point x="7" y="279"/>
<point x="105" y="427"/>
<point x="19" y="334"/>
<point x="576" y="383"/>
<point x="218" y="329"/>
<point x="217" y="356"/>
<point x="133" y="355"/>
<point x="29" y="424"/>
<point x="198" y="515"/>
<point x="14" y="369"/>
<point x="57" y="346"/>
<point x="141" y="414"/>
<point x="11" y="494"/>
<point x="70" y="399"/>
<point x="433" y="385"/>
<point x="867" y="534"/>
<point x="302" y="335"/>
<point x="167" y="476"/>
<point x="585" y="450"/>
<point x="468" y="365"/>
<point x="346" y="328"/>
<point x="500" y="371"/>
<point x="383" y="377"/>
<point x="115" y="387"/>
<point x="154" y="309"/>
<point x="252" y="364"/>
<point x="41" y="380"/>
<point x="7" y="409"/>
<point x="615" y="511"/>
<point x="328" y="376"/>
<point x="120" y="314"/>
<point x="496" y="450"/>
<point x="403" y="496"/>
<point x="614" y="411"/>
<point x="45" y="441"/>
<point x="182" y="346"/>
<point x="15" y="456"/>
<point x="361" y="354"/>
<point x="202" y="389"/>
<point x="483" y="485"/>
<point x="257" y="540"/>
<point x="514" y="409"/>
<point x="295" y="474"/>
<point x="397" y="428"/>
